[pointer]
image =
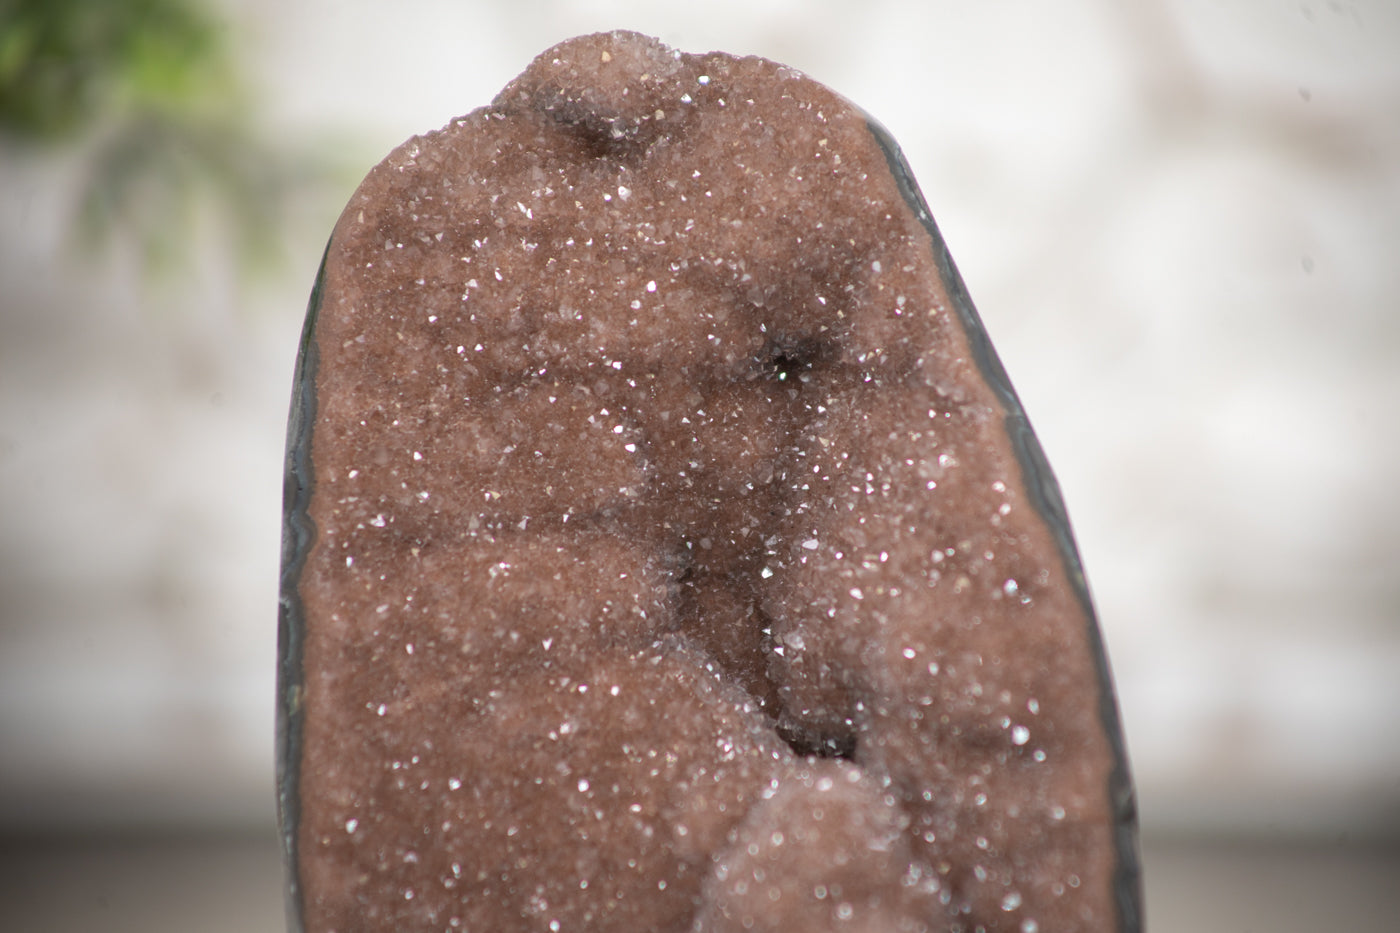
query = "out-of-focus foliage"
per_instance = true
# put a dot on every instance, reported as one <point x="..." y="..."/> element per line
<point x="66" y="63"/>
<point x="148" y="93"/>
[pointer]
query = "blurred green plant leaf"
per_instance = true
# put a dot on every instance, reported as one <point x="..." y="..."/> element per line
<point x="66" y="63"/>
<point x="148" y="92"/>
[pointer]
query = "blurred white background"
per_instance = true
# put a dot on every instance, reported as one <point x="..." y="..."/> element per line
<point x="1180" y="220"/>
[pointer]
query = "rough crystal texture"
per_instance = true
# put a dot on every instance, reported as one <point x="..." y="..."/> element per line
<point x="668" y="561"/>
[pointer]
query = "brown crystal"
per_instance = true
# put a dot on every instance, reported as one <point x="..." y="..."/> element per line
<point x="674" y="566"/>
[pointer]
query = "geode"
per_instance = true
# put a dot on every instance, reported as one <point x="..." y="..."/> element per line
<point x="665" y="547"/>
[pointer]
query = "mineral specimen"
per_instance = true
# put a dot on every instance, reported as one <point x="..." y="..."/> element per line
<point x="665" y="547"/>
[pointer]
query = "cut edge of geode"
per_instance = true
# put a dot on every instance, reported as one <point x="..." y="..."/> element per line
<point x="298" y="535"/>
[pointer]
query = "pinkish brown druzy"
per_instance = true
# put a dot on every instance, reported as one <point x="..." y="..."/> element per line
<point x="674" y="554"/>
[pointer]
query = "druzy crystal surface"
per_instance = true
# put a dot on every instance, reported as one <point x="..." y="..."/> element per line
<point x="665" y="547"/>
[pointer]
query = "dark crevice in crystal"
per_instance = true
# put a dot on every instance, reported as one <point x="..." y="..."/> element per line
<point x="788" y="361"/>
<point x="805" y="744"/>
